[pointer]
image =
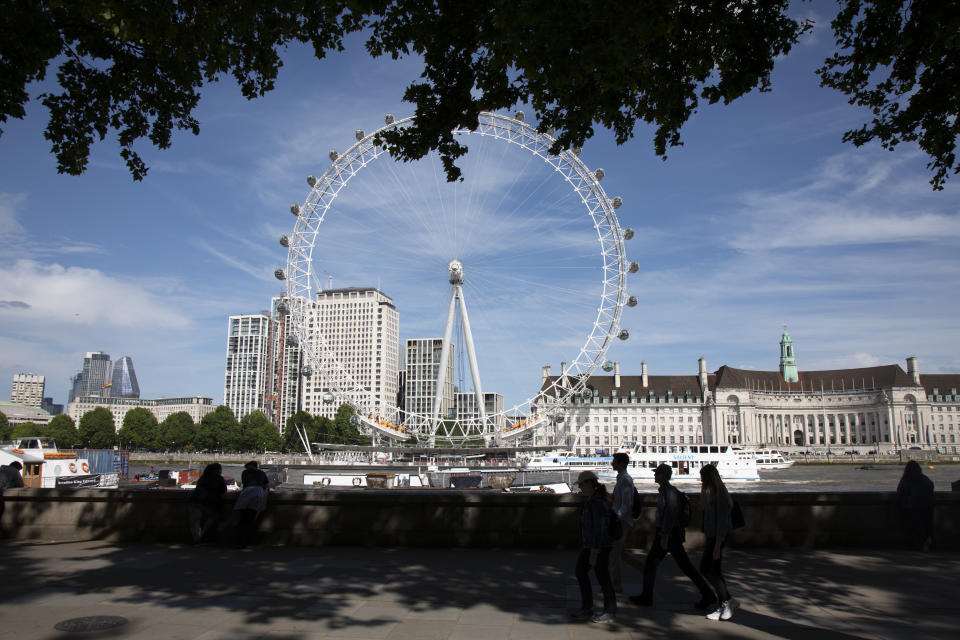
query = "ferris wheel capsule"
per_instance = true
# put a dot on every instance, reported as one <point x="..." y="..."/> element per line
<point x="634" y="267"/>
<point x="617" y="202"/>
<point x="312" y="181"/>
<point x="608" y="366"/>
<point x="558" y="418"/>
<point x="355" y="420"/>
<point x="359" y="134"/>
<point x="333" y="155"/>
<point x="599" y="173"/>
<point x="282" y="307"/>
<point x="519" y="115"/>
<point x="328" y="398"/>
<point x="306" y="371"/>
<point x="627" y="233"/>
<point x="284" y="241"/>
<point x="586" y="394"/>
<point x="632" y="301"/>
<point x="295" y="209"/>
<point x="279" y="275"/>
<point x="389" y="119"/>
<point x="292" y="340"/>
<point x="575" y="150"/>
<point x="624" y="334"/>
<point x="552" y="132"/>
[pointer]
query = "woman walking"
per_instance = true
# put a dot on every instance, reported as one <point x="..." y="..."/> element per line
<point x="595" y="545"/>
<point x="917" y="499"/>
<point x="716" y="505"/>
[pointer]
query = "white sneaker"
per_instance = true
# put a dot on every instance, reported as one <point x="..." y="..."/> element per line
<point x="604" y="618"/>
<point x="719" y="614"/>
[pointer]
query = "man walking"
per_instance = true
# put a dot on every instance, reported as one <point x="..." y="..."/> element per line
<point x="623" y="507"/>
<point x="669" y="538"/>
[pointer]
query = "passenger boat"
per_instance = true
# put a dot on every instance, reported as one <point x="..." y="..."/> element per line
<point x="772" y="459"/>
<point x="734" y="465"/>
<point x="45" y="466"/>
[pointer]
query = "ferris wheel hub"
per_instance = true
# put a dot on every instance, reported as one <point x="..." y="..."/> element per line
<point x="456" y="272"/>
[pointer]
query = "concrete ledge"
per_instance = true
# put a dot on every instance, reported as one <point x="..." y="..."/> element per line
<point x="482" y="519"/>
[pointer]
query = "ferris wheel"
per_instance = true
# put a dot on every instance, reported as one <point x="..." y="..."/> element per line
<point x="543" y="407"/>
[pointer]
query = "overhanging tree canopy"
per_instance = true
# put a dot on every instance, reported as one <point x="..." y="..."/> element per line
<point x="135" y="68"/>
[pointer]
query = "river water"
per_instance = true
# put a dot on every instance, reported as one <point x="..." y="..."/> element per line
<point x="798" y="478"/>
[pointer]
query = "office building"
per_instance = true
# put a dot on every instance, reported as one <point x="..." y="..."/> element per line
<point x="93" y="377"/>
<point x="161" y="408"/>
<point x="27" y="389"/>
<point x="247" y="383"/>
<point x="123" y="381"/>
<point x="423" y="370"/>
<point x="359" y="326"/>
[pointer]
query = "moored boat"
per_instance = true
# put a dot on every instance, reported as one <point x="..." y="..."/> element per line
<point x="768" y="459"/>
<point x="45" y="466"/>
<point x="734" y="465"/>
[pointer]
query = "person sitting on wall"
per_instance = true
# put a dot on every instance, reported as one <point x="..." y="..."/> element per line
<point x="251" y="502"/>
<point x="10" y="478"/>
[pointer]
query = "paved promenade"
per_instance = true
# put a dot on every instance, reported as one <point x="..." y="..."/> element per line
<point x="212" y="593"/>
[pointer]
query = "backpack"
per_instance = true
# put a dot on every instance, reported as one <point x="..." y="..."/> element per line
<point x="686" y="511"/>
<point x="637" y="506"/>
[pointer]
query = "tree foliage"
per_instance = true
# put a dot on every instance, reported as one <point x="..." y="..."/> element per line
<point x="139" y="430"/>
<point x="4" y="427"/>
<point x="135" y="69"/>
<point x="27" y="429"/>
<point x="218" y="431"/>
<point x="63" y="431"/>
<point x="901" y="59"/>
<point x="96" y="429"/>
<point x="176" y="432"/>
<point x="292" y="441"/>
<point x="257" y="433"/>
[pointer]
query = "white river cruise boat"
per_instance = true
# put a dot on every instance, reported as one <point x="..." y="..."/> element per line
<point x="771" y="459"/>
<point x="734" y="465"/>
<point x="44" y="466"/>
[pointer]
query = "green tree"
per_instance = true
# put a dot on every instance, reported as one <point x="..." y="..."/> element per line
<point x="97" y="430"/>
<point x="27" y="429"/>
<point x="345" y="432"/>
<point x="139" y="430"/>
<point x="63" y="430"/>
<point x="258" y="433"/>
<point x="177" y="432"/>
<point x="218" y="431"/>
<point x="4" y="427"/>
<point x="291" y="441"/>
<point x="136" y="68"/>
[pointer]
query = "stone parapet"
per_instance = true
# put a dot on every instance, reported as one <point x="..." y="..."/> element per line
<point x="481" y="519"/>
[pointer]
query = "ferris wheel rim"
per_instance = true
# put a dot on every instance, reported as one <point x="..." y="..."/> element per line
<point x="585" y="184"/>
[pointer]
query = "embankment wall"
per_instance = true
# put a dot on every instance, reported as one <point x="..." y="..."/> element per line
<point x="432" y="518"/>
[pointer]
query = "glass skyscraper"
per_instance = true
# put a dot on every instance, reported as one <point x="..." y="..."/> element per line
<point x="124" y="380"/>
<point x="95" y="374"/>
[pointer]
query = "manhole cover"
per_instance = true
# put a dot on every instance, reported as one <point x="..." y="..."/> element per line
<point x="90" y="623"/>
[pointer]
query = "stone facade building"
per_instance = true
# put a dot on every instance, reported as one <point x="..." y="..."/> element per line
<point x="863" y="409"/>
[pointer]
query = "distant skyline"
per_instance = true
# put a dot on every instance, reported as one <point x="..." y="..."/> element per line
<point x="762" y="218"/>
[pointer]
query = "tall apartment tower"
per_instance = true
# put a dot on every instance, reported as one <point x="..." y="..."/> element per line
<point x="423" y="369"/>
<point x="249" y="369"/>
<point x="95" y="374"/>
<point x="27" y="389"/>
<point x="124" y="379"/>
<point x="285" y="388"/>
<point x="361" y="326"/>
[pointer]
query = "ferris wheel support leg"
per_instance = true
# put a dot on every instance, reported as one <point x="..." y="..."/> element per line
<point x="472" y="357"/>
<point x="444" y="354"/>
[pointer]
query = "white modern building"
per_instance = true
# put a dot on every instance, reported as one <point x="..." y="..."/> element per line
<point x="467" y="409"/>
<point x="27" y="389"/>
<point x="869" y="408"/>
<point x="360" y="328"/>
<point x="161" y="408"/>
<point x="95" y="374"/>
<point x="423" y="369"/>
<point x="247" y="381"/>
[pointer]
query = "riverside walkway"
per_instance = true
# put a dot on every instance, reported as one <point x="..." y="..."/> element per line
<point x="174" y="592"/>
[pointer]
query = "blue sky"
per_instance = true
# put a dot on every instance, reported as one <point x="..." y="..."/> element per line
<point x="762" y="218"/>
